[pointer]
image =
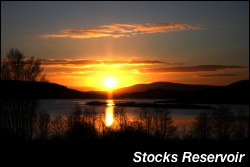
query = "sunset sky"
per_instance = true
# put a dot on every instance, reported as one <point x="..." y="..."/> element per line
<point x="84" y="44"/>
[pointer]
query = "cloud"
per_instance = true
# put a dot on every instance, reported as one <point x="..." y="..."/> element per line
<point x="67" y="62"/>
<point x="121" y="30"/>
<point x="200" y="68"/>
<point x="219" y="75"/>
<point x="80" y="62"/>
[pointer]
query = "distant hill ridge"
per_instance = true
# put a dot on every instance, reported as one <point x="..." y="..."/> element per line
<point x="43" y="90"/>
<point x="240" y="83"/>
<point x="162" y="85"/>
<point x="234" y="93"/>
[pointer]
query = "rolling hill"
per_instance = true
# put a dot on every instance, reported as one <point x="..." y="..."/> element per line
<point x="43" y="90"/>
<point x="234" y="93"/>
<point x="162" y="85"/>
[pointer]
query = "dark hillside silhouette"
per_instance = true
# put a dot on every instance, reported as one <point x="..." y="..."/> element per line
<point x="168" y="86"/>
<point x="43" y="90"/>
<point x="235" y="93"/>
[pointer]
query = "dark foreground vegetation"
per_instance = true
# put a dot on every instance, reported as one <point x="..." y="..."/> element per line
<point x="82" y="136"/>
<point x="22" y="120"/>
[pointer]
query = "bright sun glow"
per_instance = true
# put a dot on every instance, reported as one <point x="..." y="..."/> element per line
<point x="110" y="82"/>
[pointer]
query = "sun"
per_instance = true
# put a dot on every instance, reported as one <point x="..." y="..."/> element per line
<point x="110" y="82"/>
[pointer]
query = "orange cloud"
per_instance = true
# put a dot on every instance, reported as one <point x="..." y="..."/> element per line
<point x="219" y="75"/>
<point x="81" y="62"/>
<point x="121" y="30"/>
<point x="200" y="68"/>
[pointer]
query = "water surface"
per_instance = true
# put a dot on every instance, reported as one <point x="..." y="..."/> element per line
<point x="181" y="117"/>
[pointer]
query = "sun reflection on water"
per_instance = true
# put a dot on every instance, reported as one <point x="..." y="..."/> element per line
<point x="109" y="113"/>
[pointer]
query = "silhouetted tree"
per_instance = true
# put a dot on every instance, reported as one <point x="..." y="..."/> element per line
<point x="18" y="118"/>
<point x="163" y="123"/>
<point x="90" y="118"/>
<point x="222" y="121"/>
<point x="120" y="114"/>
<point x="81" y="124"/>
<point x="15" y="66"/>
<point x="75" y="123"/>
<point x="17" y="110"/>
<point x="43" y="124"/>
<point x="185" y="132"/>
<point x="241" y="126"/>
<point x="137" y="128"/>
<point x="57" y="127"/>
<point x="146" y="117"/>
<point x="202" y="126"/>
